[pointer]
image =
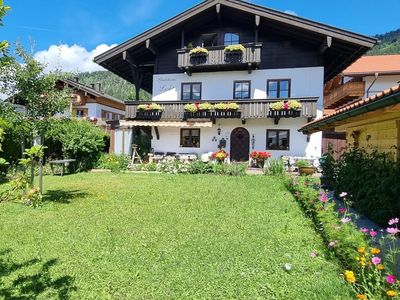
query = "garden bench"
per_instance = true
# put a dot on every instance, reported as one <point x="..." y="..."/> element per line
<point x="63" y="162"/>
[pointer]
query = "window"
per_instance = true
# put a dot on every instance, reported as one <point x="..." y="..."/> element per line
<point x="231" y="39"/>
<point x="80" y="112"/>
<point x="190" y="138"/>
<point x="278" y="139"/>
<point x="191" y="91"/>
<point x="241" y="90"/>
<point x="279" y="88"/>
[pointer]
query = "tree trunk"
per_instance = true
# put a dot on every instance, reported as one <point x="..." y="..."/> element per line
<point x="31" y="183"/>
<point x="22" y="137"/>
<point x="41" y="165"/>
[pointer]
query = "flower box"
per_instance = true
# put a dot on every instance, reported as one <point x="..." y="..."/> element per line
<point x="290" y="113"/>
<point x="234" y="57"/>
<point x="201" y="114"/>
<point x="228" y="113"/>
<point x="148" y="114"/>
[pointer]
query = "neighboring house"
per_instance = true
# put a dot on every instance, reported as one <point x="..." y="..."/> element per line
<point x="91" y="102"/>
<point x="284" y="57"/>
<point x="366" y="77"/>
<point x="372" y="123"/>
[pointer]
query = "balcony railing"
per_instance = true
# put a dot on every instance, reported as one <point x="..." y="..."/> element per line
<point x="248" y="109"/>
<point x="347" y="92"/>
<point x="217" y="57"/>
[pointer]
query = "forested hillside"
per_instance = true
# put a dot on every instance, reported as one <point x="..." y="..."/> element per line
<point x="389" y="43"/>
<point x="112" y="85"/>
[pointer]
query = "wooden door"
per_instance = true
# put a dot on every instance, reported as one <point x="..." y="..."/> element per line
<point x="240" y="144"/>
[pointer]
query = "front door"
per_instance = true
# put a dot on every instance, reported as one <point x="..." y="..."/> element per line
<point x="240" y="144"/>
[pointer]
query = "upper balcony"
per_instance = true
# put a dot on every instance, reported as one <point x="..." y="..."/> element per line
<point x="344" y="93"/>
<point x="219" y="59"/>
<point x="247" y="109"/>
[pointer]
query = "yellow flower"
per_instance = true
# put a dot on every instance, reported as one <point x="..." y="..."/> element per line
<point x="391" y="293"/>
<point x="380" y="267"/>
<point x="361" y="250"/>
<point x="362" y="297"/>
<point x="375" y="251"/>
<point x="349" y="276"/>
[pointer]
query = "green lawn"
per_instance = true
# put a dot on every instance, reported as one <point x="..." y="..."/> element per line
<point x="124" y="236"/>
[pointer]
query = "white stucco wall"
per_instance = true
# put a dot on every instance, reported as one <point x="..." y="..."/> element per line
<point x="382" y="83"/>
<point x="94" y="110"/>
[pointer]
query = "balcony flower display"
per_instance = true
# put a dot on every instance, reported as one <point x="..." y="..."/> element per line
<point x="235" y="48"/>
<point x="259" y="157"/>
<point x="286" y="105"/>
<point x="195" y="107"/>
<point x="198" y="51"/>
<point x="220" y="155"/>
<point x="226" y="106"/>
<point x="150" y="107"/>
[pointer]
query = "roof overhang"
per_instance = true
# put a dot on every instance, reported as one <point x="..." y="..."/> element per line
<point x="355" y="44"/>
<point x="382" y="100"/>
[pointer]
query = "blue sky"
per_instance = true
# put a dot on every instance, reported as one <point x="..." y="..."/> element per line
<point x="87" y="24"/>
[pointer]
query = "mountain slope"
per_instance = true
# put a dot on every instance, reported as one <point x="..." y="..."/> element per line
<point x="389" y="43"/>
<point x="112" y="85"/>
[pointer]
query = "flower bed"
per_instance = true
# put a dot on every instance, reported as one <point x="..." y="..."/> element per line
<point x="370" y="274"/>
<point x="220" y="156"/>
<point x="259" y="157"/>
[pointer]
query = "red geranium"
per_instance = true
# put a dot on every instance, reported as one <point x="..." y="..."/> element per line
<point x="260" y="155"/>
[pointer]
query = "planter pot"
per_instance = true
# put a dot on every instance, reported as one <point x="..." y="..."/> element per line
<point x="233" y="57"/>
<point x="198" y="59"/>
<point x="234" y="113"/>
<point x="148" y="114"/>
<point x="290" y="113"/>
<point x="198" y="114"/>
<point x="306" y="171"/>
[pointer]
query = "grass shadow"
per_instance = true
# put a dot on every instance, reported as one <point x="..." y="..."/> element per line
<point x="63" y="196"/>
<point x="30" y="285"/>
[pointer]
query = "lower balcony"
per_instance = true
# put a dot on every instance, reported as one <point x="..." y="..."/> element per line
<point x="344" y="93"/>
<point x="247" y="109"/>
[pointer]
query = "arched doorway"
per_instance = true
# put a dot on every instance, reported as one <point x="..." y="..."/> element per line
<point x="240" y="144"/>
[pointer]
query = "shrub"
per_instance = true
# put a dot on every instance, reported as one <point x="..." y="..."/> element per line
<point x="114" y="162"/>
<point x="150" y="107"/>
<point x="80" y="140"/>
<point x="235" y="48"/>
<point x="302" y="163"/>
<point x="274" y="167"/>
<point x="371" y="180"/>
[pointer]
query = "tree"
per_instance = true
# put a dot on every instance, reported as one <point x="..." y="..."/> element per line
<point x="27" y="82"/>
<point x="3" y="44"/>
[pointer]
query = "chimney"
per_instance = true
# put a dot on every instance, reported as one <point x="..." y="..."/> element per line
<point x="92" y="85"/>
<point x="98" y="87"/>
<point x="76" y="79"/>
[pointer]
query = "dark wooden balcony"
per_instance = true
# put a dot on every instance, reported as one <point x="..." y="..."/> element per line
<point x="248" y="109"/>
<point x="344" y="93"/>
<point x="218" y="59"/>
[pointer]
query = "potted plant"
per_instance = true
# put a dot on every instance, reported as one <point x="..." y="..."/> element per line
<point x="288" y="108"/>
<point x="220" y="156"/>
<point x="227" y="110"/>
<point x="149" y="111"/>
<point x="198" y="110"/>
<point x="305" y="167"/>
<point x="234" y="53"/>
<point x="198" y="55"/>
<point x="259" y="158"/>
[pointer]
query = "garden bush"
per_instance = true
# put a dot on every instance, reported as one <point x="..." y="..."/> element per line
<point x="80" y="140"/>
<point x="370" y="179"/>
<point x="113" y="162"/>
<point x="274" y="167"/>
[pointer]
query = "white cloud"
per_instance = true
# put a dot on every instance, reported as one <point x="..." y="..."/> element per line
<point x="291" y="12"/>
<point x="71" y="58"/>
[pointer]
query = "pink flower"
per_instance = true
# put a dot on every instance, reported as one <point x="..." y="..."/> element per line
<point x="332" y="244"/>
<point x="394" y="221"/>
<point x="314" y="254"/>
<point x="373" y="233"/>
<point x="342" y="210"/>
<point x="391" y="279"/>
<point x="364" y="230"/>
<point x="324" y="197"/>
<point x="392" y="230"/>
<point x="376" y="260"/>
<point x="342" y="195"/>
<point x="345" y="220"/>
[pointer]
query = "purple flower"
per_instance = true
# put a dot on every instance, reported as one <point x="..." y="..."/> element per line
<point x="314" y="254"/>
<point x="364" y="230"/>
<point x="373" y="233"/>
<point x="324" y="197"/>
<point x="391" y="279"/>
<point x="342" y="210"/>
<point x="345" y="220"/>
<point x="376" y="260"/>
<point x="393" y="230"/>
<point x="394" y="221"/>
<point x="342" y="195"/>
